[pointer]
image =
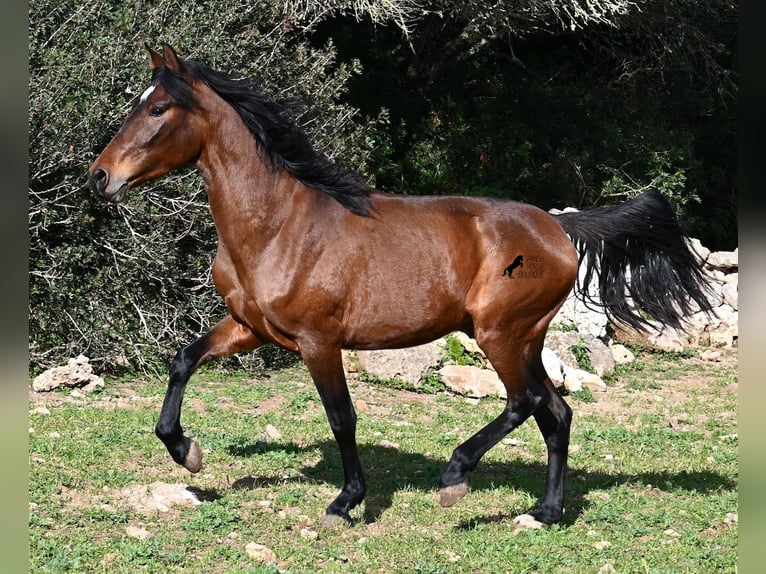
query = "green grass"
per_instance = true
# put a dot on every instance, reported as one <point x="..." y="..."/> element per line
<point x="652" y="484"/>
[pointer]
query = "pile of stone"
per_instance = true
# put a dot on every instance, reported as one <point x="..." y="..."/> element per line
<point x="77" y="373"/>
<point x="480" y="380"/>
<point x="719" y="330"/>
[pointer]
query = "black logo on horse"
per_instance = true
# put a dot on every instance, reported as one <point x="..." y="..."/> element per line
<point x="518" y="262"/>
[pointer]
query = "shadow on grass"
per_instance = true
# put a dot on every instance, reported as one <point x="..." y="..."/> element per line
<point x="389" y="470"/>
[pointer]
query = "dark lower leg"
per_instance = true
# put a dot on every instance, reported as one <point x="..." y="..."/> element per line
<point x="554" y="422"/>
<point x="226" y="338"/>
<point x="168" y="428"/>
<point x="354" y="488"/>
<point x="327" y="372"/>
<point x="453" y="482"/>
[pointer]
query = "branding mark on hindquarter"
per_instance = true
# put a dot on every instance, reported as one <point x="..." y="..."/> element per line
<point x="518" y="262"/>
<point x="530" y="267"/>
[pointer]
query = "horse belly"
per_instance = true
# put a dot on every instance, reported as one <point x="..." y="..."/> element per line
<point x="402" y="314"/>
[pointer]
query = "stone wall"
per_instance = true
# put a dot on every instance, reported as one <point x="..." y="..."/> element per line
<point x="576" y="325"/>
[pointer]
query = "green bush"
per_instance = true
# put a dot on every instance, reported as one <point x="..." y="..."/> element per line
<point x="128" y="285"/>
<point x="560" y="104"/>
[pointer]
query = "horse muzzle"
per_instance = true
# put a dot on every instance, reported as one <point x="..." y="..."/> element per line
<point x="100" y="184"/>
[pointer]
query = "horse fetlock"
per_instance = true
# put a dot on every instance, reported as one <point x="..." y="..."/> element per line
<point x="545" y="515"/>
<point x="449" y="495"/>
<point x="167" y="432"/>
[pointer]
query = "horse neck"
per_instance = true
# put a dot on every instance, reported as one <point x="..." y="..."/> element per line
<point x="242" y="186"/>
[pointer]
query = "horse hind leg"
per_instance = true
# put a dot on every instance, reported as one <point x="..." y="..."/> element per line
<point x="530" y="393"/>
<point x="524" y="396"/>
<point x="554" y="420"/>
<point x="453" y="483"/>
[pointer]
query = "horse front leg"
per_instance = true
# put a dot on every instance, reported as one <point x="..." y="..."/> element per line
<point x="226" y="338"/>
<point x="326" y="369"/>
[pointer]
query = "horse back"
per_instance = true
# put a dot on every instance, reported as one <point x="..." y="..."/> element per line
<point x="434" y="265"/>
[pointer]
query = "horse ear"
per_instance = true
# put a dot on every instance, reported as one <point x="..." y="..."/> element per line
<point x="172" y="61"/>
<point x="155" y="60"/>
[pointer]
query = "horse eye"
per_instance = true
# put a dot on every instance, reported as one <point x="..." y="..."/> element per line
<point x="156" y="111"/>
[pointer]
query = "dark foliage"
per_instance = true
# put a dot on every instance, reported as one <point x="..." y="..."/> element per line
<point x="549" y="105"/>
<point x="584" y="116"/>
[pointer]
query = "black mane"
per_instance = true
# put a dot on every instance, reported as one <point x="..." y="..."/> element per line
<point x="285" y="144"/>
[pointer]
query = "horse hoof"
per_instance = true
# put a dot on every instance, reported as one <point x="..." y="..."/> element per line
<point x="449" y="495"/>
<point x="333" y="521"/>
<point x="527" y="522"/>
<point x="193" y="460"/>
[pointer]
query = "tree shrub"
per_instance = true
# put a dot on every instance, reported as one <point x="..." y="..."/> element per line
<point x="557" y="104"/>
<point x="128" y="284"/>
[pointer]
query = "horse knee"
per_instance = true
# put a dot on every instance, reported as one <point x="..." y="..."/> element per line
<point x="182" y="366"/>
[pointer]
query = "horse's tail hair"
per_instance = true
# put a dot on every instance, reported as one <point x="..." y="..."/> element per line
<point x="645" y="268"/>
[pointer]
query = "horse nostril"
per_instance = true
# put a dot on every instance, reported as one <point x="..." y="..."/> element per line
<point x="98" y="180"/>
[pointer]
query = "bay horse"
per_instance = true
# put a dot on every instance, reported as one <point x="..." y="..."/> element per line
<point x="312" y="259"/>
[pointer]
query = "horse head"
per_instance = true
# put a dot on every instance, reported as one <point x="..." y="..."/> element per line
<point x="159" y="135"/>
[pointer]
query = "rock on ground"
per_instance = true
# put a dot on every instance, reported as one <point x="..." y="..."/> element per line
<point x="78" y="372"/>
<point x="471" y="381"/>
<point x="404" y="364"/>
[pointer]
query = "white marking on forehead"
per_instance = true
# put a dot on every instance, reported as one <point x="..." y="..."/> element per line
<point x="147" y="92"/>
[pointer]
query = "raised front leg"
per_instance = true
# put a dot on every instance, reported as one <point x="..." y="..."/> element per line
<point x="326" y="368"/>
<point x="226" y="338"/>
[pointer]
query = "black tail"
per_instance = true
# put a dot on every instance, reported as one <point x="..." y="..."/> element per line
<point x="644" y="266"/>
